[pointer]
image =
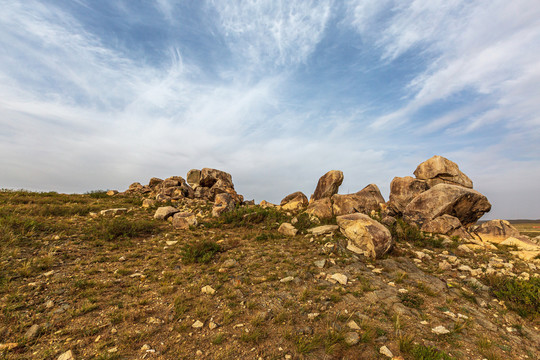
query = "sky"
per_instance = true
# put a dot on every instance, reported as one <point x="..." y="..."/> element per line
<point x="98" y="94"/>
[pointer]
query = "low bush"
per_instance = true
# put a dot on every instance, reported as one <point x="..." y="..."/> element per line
<point x="199" y="252"/>
<point x="522" y="296"/>
<point x="121" y="227"/>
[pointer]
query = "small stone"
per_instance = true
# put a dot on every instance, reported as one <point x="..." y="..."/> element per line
<point x="97" y="338"/>
<point x="212" y="325"/>
<point x="49" y="304"/>
<point x="340" y="278"/>
<point x="113" y="350"/>
<point x="68" y="355"/>
<point x="386" y="352"/>
<point x="352" y="338"/>
<point x="353" y="325"/>
<point x="171" y="242"/>
<point x="423" y="322"/>
<point x="8" y="346"/>
<point x="197" y="324"/>
<point x="114" y="331"/>
<point x="377" y="271"/>
<point x="198" y="353"/>
<point x="229" y="263"/>
<point x="113" y="212"/>
<point x="320" y="263"/>
<point x="440" y="330"/>
<point x="32" y="332"/>
<point x="287" y="279"/>
<point x="145" y="347"/>
<point x="48" y="273"/>
<point x="288" y="357"/>
<point x="445" y="265"/>
<point x="208" y="290"/>
<point x="122" y="258"/>
<point x="403" y="291"/>
<point x="312" y="316"/>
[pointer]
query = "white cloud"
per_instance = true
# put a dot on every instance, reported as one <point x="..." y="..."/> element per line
<point x="273" y="32"/>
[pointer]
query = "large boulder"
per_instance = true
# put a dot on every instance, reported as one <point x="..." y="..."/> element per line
<point x="223" y="203"/>
<point x="496" y="231"/>
<point x="443" y="224"/>
<point x="365" y="235"/>
<point x="184" y="220"/>
<point x="402" y="191"/>
<point x="164" y="212"/>
<point x="294" y="201"/>
<point x="440" y="170"/>
<point x="328" y="185"/>
<point x="193" y="177"/>
<point x="465" y="204"/>
<point x="320" y="208"/>
<point x="366" y="200"/>
<point x="155" y="182"/>
<point x="211" y="176"/>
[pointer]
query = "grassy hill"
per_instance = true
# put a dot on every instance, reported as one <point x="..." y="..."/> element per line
<point x="131" y="287"/>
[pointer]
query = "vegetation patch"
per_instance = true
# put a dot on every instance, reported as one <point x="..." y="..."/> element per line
<point x="199" y="252"/>
<point x="522" y="296"/>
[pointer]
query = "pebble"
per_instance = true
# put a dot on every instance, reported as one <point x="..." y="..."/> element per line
<point x="208" y="290"/>
<point x="171" y="242"/>
<point x="312" y="316"/>
<point x="440" y="330"/>
<point x="320" y="263"/>
<point x="386" y="352"/>
<point x="197" y="324"/>
<point x="353" y="325"/>
<point x="68" y="355"/>
<point x="32" y="332"/>
<point x="352" y="338"/>
<point x="340" y="278"/>
<point x="212" y="325"/>
<point x="114" y="331"/>
<point x="287" y="279"/>
<point x="198" y="353"/>
<point x="49" y="304"/>
<point x="145" y="347"/>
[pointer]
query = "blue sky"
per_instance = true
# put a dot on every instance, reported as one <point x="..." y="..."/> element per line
<point x="98" y="94"/>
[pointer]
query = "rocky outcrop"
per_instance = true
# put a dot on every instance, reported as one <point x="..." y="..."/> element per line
<point x="440" y="170"/>
<point x="496" y="231"/>
<point x="294" y="201"/>
<point x="223" y="203"/>
<point x="320" y="208"/>
<point x="365" y="235"/>
<point x="402" y="191"/>
<point x="328" y="185"/>
<point x="366" y="200"/>
<point x="193" y="178"/>
<point x="465" y="204"/>
<point x="443" y="224"/>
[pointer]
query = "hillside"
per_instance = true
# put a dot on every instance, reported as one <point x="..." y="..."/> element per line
<point x="78" y="284"/>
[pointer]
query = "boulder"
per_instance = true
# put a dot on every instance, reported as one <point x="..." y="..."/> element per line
<point x="365" y="201"/>
<point x="193" y="177"/>
<point x="328" y="185"/>
<point x="155" y="182"/>
<point x="294" y="201"/>
<point x="522" y="243"/>
<point x="287" y="229"/>
<point x="210" y="176"/>
<point x="148" y="203"/>
<point x="323" y="230"/>
<point x="443" y="224"/>
<point x="112" y="192"/>
<point x="320" y="208"/>
<point x="184" y="220"/>
<point x="164" y="212"/>
<point x="223" y="203"/>
<point x="265" y="204"/>
<point x="465" y="204"/>
<point x="366" y="236"/>
<point x="402" y="191"/>
<point x="440" y="170"/>
<point x="496" y="231"/>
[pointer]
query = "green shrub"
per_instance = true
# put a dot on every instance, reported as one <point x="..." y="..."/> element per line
<point x="403" y="231"/>
<point x="411" y="300"/>
<point x="199" y="252"/>
<point x="522" y="296"/>
<point x="422" y="352"/>
<point x="97" y="194"/>
<point x="121" y="227"/>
